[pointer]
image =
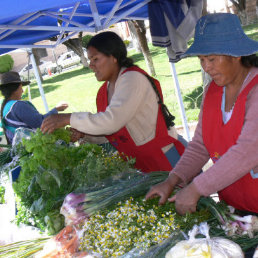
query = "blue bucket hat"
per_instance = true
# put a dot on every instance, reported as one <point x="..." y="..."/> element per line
<point x="221" y="34"/>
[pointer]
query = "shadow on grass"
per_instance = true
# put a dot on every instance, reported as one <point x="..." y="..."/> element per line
<point x="34" y="91"/>
<point x="137" y="57"/>
<point x="253" y="36"/>
<point x="194" y="98"/>
<point x="67" y="75"/>
<point x="186" y="73"/>
<point x="155" y="51"/>
<point x="64" y="76"/>
<point x="251" y="31"/>
<point x="48" y="83"/>
<point x="190" y="72"/>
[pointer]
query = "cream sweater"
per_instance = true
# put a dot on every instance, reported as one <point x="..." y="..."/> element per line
<point x="134" y="105"/>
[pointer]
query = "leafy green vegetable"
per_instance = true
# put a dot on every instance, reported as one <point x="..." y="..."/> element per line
<point x="52" y="168"/>
<point x="2" y="193"/>
<point x="54" y="221"/>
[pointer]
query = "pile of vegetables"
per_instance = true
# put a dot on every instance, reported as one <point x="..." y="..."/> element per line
<point x="115" y="220"/>
<point x="51" y="168"/>
<point x="100" y="198"/>
<point x="135" y="226"/>
<point x="88" y="201"/>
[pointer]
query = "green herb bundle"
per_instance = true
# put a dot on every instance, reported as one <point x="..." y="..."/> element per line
<point x="2" y="193"/>
<point x="52" y="168"/>
<point x="22" y="249"/>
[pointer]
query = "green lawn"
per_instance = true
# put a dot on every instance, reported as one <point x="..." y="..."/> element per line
<point x="79" y="86"/>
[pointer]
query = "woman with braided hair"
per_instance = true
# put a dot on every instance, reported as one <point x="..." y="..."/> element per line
<point x="15" y="112"/>
<point x="131" y="114"/>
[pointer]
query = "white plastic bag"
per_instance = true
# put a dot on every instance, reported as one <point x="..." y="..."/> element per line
<point x="21" y="133"/>
<point x="207" y="247"/>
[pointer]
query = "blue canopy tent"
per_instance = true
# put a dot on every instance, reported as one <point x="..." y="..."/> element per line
<point x="26" y="22"/>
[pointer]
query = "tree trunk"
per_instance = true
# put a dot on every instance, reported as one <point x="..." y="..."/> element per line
<point x="243" y="17"/>
<point x="240" y="6"/>
<point x="135" y="40"/>
<point x="141" y="34"/>
<point x="204" y="9"/>
<point x="257" y="8"/>
<point x="37" y="60"/>
<point x="226" y="6"/>
<point x="76" y="46"/>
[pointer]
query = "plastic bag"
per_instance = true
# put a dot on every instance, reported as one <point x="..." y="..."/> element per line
<point x="11" y="233"/>
<point x="64" y="244"/>
<point x="158" y="250"/>
<point x="21" y="133"/>
<point x="216" y="247"/>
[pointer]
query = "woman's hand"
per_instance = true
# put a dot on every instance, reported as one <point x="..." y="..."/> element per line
<point x="186" y="199"/>
<point x="76" y="135"/>
<point x="164" y="189"/>
<point x="53" y="122"/>
<point x="61" y="106"/>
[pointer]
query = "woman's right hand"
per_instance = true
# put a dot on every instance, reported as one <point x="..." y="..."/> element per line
<point x="53" y="122"/>
<point x="163" y="189"/>
<point x="76" y="135"/>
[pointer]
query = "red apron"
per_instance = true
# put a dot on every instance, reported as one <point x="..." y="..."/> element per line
<point x="149" y="156"/>
<point x="219" y="137"/>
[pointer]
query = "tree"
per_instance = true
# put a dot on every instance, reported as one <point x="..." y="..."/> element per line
<point x="6" y="63"/>
<point x="240" y="6"/>
<point x="85" y="40"/>
<point x="204" y="8"/>
<point x="134" y="36"/>
<point x="37" y="60"/>
<point x="75" y="44"/>
<point x="141" y="34"/>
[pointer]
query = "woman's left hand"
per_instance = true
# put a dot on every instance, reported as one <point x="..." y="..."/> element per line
<point x="53" y="122"/>
<point x="61" y="106"/>
<point x="186" y="199"/>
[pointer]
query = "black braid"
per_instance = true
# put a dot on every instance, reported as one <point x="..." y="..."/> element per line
<point x="169" y="118"/>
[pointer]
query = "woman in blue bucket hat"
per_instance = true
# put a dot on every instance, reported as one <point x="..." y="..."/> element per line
<point x="227" y="130"/>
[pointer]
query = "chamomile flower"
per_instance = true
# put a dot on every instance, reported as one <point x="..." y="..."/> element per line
<point x="132" y="224"/>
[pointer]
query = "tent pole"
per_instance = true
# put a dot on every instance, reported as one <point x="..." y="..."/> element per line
<point x="32" y="58"/>
<point x="180" y="101"/>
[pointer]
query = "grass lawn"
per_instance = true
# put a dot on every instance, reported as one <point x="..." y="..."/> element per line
<point x="79" y="86"/>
